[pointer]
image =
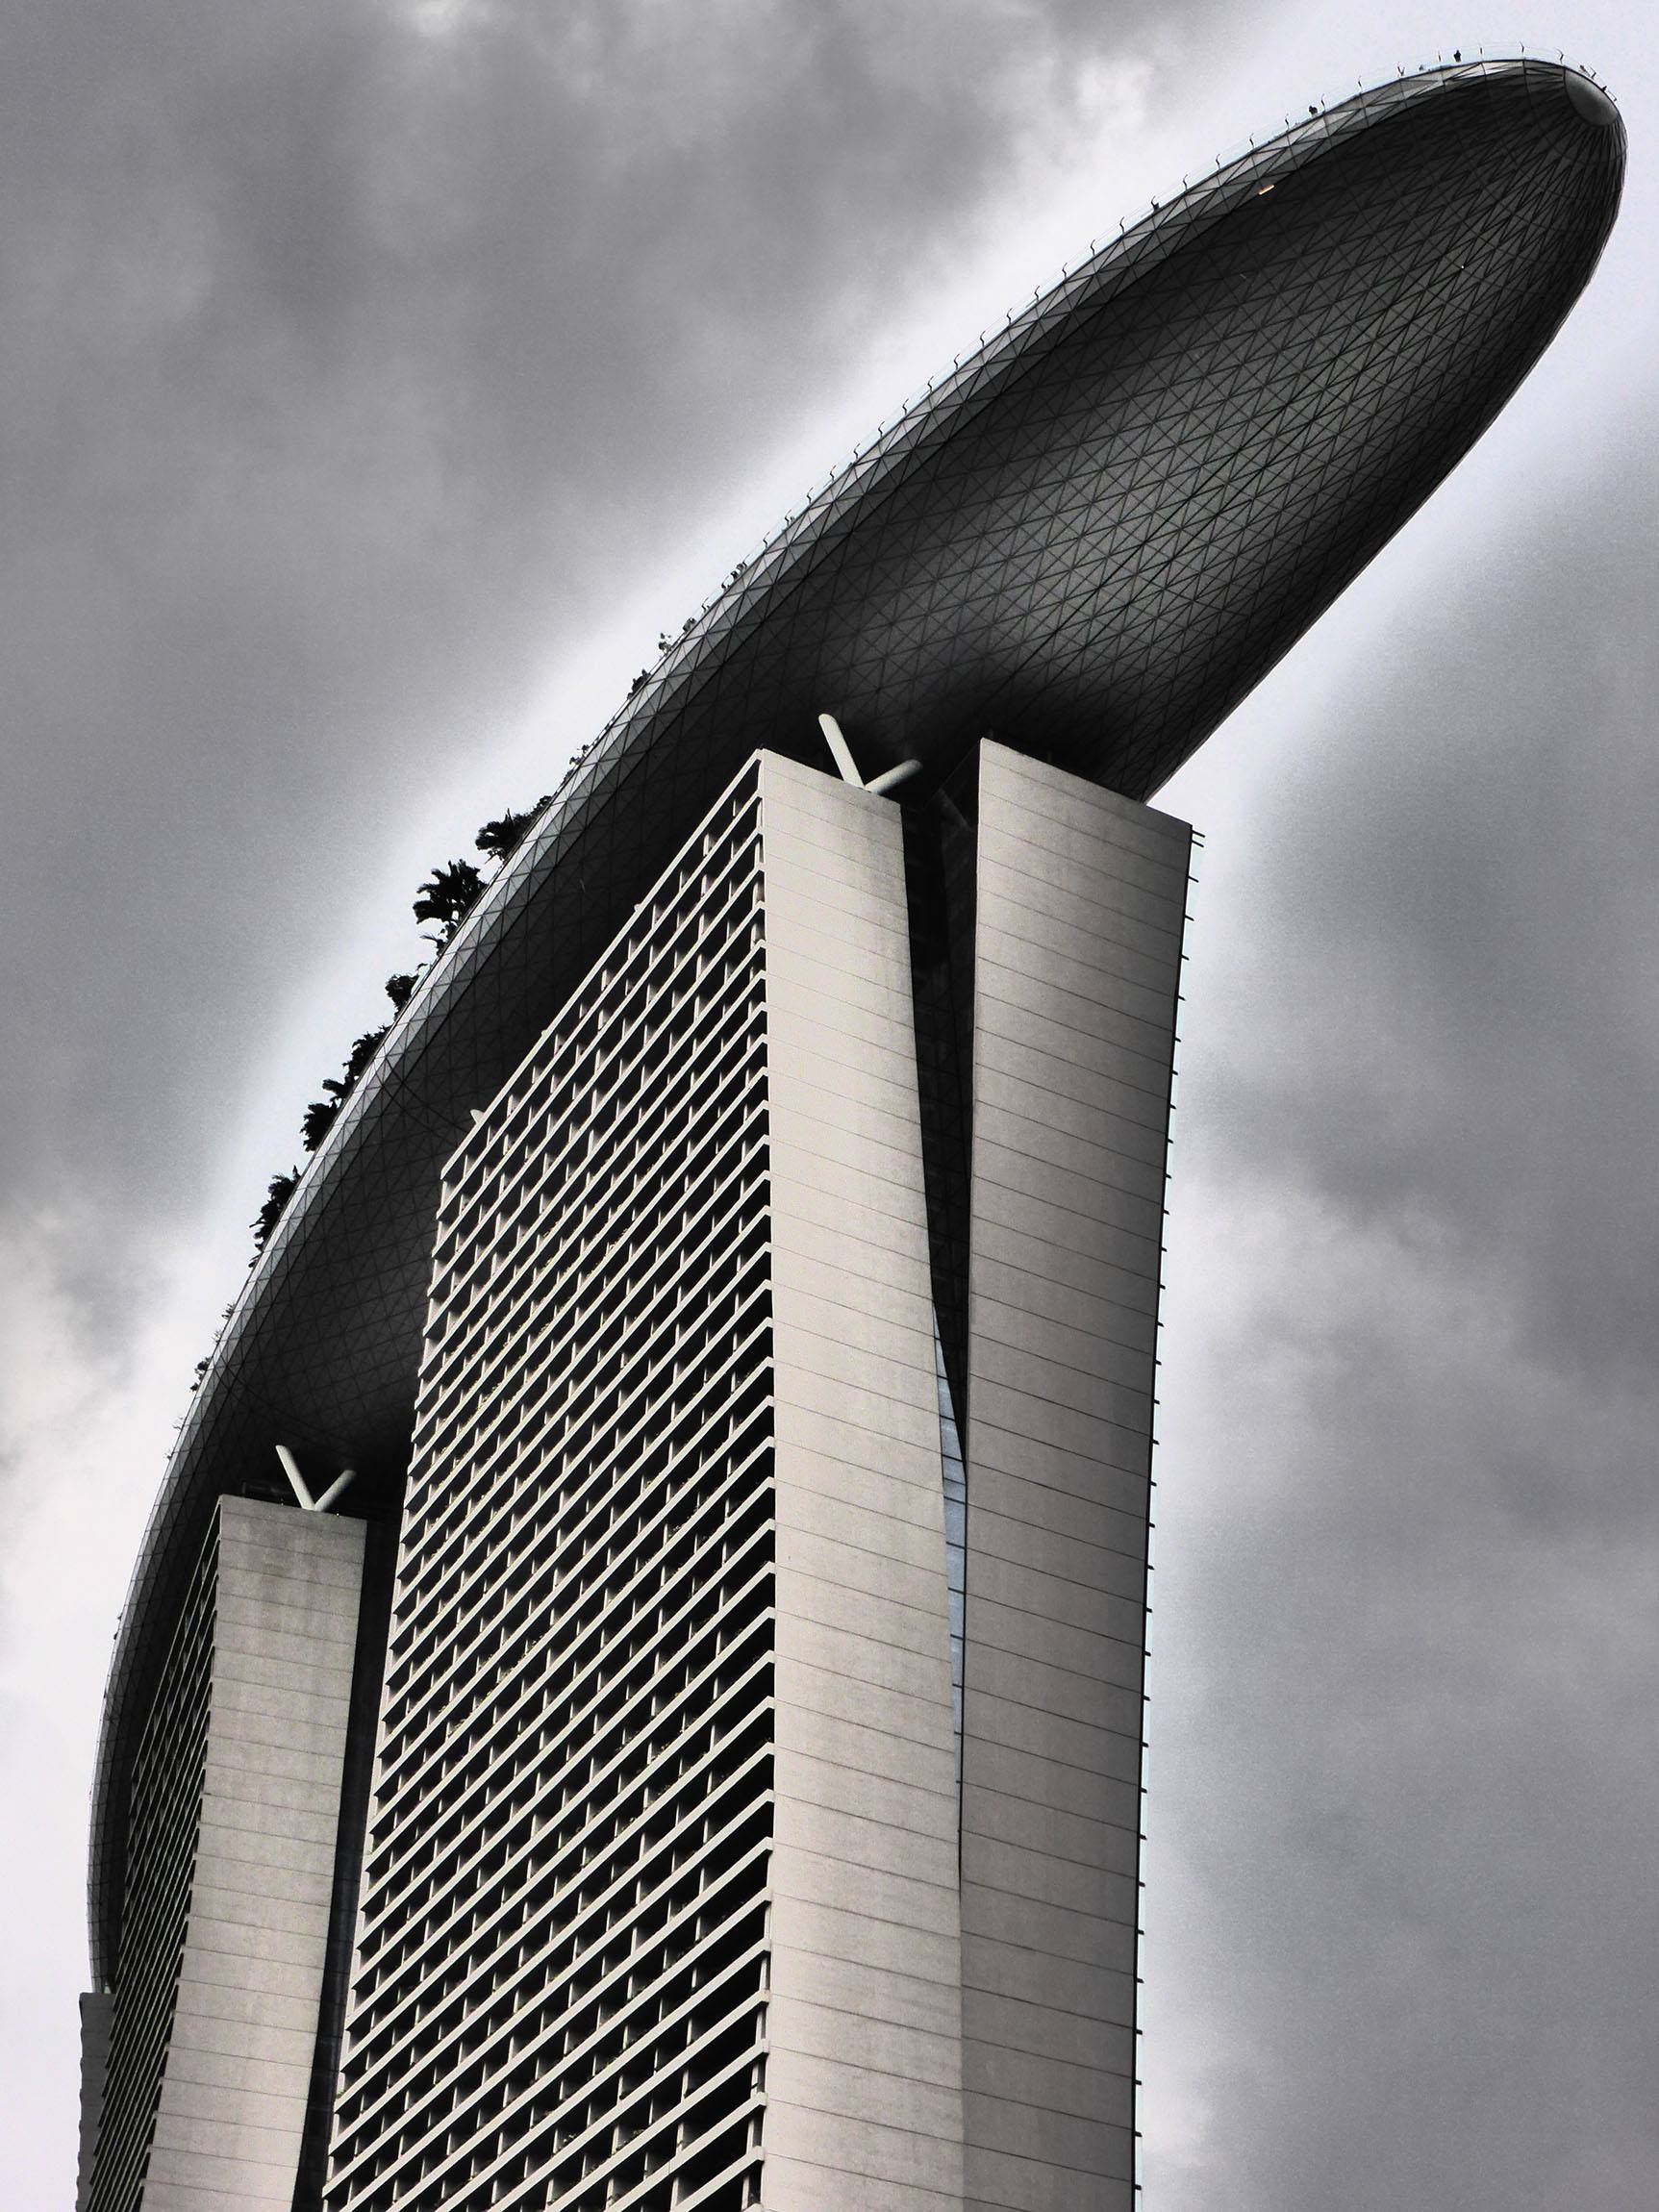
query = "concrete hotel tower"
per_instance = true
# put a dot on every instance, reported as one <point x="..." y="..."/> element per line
<point x="700" y="1204"/>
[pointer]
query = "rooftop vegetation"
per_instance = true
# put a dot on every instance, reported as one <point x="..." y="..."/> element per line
<point x="444" y="900"/>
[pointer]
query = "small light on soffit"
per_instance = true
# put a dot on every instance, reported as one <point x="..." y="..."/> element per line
<point x="1262" y="191"/>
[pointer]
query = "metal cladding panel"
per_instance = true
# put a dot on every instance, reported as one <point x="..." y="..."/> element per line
<point x="864" y="2096"/>
<point x="96" y="2007"/>
<point x="1070" y="1111"/>
<point x="1093" y="535"/>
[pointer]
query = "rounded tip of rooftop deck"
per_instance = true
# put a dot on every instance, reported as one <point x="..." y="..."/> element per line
<point x="1591" y="102"/>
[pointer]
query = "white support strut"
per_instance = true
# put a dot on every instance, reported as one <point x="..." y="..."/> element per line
<point x="890" y="779"/>
<point x="841" y="752"/>
<point x="296" y="1480"/>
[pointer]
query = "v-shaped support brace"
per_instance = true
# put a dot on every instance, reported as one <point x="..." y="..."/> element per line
<point x="301" y="1489"/>
<point x="842" y="753"/>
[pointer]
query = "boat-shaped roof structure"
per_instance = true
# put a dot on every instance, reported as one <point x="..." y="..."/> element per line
<point x="1092" y="537"/>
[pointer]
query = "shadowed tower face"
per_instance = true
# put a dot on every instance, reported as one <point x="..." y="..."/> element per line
<point x="734" y="1284"/>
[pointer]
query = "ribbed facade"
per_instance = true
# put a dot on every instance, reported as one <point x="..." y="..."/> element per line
<point x="561" y="1984"/>
<point x="168" y="1781"/>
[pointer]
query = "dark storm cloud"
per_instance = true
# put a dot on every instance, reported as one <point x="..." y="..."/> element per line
<point x="1410" y="1533"/>
<point x="347" y="350"/>
<point x="1488" y="876"/>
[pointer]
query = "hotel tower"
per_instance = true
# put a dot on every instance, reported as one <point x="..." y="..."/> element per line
<point x="631" y="1693"/>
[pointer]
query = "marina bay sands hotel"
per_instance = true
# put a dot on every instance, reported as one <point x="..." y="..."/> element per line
<point x="631" y="1693"/>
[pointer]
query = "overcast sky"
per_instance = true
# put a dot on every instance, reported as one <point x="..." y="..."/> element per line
<point x="377" y="377"/>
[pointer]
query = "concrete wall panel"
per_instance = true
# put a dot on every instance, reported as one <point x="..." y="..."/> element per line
<point x="1080" y="903"/>
<point x="864" y="2092"/>
<point x="233" y="2094"/>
